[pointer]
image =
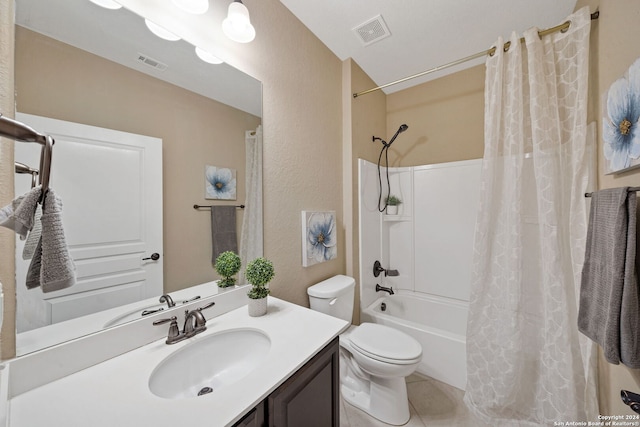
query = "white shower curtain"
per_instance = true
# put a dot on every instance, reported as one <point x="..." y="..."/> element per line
<point x="252" y="224"/>
<point x="527" y="363"/>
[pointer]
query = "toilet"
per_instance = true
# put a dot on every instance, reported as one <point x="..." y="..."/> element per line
<point x="374" y="359"/>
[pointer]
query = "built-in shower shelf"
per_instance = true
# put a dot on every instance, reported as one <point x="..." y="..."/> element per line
<point x="393" y="218"/>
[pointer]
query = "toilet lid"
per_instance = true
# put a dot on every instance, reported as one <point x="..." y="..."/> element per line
<point x="382" y="342"/>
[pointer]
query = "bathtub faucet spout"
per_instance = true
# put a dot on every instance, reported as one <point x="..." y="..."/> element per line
<point x="382" y="288"/>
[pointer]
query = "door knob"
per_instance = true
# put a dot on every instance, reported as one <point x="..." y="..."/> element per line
<point x="154" y="257"/>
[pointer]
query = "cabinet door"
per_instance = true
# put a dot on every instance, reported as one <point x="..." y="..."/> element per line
<point x="311" y="397"/>
<point x="255" y="418"/>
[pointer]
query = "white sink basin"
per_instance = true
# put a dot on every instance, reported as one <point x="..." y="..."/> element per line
<point x="209" y="363"/>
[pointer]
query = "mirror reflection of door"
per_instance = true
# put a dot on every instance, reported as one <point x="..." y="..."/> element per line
<point x="111" y="223"/>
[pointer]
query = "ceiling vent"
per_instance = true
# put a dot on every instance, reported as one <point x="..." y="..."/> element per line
<point x="146" y="60"/>
<point x="372" y="31"/>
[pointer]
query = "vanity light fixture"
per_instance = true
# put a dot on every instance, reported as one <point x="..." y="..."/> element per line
<point x="237" y="26"/>
<point x="208" y="57"/>
<point x="197" y="7"/>
<point x="159" y="31"/>
<point x="109" y="4"/>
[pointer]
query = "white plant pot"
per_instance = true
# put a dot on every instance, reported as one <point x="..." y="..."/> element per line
<point x="392" y="210"/>
<point x="257" y="307"/>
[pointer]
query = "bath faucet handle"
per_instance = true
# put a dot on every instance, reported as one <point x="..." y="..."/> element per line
<point x="174" y="332"/>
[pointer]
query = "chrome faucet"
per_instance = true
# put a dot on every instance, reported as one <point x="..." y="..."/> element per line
<point x="167" y="298"/>
<point x="194" y="323"/>
<point x="382" y="288"/>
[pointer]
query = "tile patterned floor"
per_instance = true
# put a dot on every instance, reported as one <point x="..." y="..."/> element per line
<point x="431" y="403"/>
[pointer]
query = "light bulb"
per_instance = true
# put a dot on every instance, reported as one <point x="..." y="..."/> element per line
<point x="160" y="32"/>
<point x="237" y="26"/>
<point x="208" y="57"/>
<point x="196" y="7"/>
<point x="109" y="4"/>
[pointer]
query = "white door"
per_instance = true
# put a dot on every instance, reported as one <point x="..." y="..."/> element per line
<point x="110" y="183"/>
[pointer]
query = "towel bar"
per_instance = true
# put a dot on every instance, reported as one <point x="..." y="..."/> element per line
<point x="18" y="131"/>
<point x="630" y="189"/>
<point x="210" y="206"/>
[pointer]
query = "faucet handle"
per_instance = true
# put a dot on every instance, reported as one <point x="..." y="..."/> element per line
<point x="211" y="304"/>
<point x="174" y="331"/>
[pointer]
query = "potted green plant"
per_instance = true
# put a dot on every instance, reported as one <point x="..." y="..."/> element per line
<point x="392" y="203"/>
<point x="259" y="273"/>
<point x="227" y="265"/>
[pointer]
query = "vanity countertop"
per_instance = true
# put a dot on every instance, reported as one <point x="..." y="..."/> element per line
<point x="116" y="392"/>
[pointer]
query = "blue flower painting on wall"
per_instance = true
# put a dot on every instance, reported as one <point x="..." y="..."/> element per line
<point x="220" y="183"/>
<point x="620" y="126"/>
<point x="319" y="237"/>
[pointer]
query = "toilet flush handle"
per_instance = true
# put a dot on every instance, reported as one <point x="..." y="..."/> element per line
<point x="333" y="301"/>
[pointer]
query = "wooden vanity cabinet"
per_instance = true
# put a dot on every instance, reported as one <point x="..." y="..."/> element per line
<point x="309" y="398"/>
<point x="255" y="417"/>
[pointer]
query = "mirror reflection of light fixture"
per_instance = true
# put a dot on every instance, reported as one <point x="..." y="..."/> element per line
<point x="109" y="4"/>
<point x="160" y="32"/>
<point x="196" y="7"/>
<point x="208" y="57"/>
<point x="237" y="25"/>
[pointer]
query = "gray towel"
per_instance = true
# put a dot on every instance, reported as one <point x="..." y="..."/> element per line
<point x="34" y="236"/>
<point x="609" y="311"/>
<point x="223" y="230"/>
<point x="19" y="214"/>
<point x="51" y="267"/>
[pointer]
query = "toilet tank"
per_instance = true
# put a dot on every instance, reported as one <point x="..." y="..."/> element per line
<point x="333" y="296"/>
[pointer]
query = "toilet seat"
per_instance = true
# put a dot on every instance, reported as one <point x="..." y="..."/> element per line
<point x="385" y="344"/>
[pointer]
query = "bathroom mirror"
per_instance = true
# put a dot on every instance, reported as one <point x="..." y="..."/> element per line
<point x="205" y="99"/>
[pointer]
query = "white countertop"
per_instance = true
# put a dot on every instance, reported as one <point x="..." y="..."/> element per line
<point x="116" y="392"/>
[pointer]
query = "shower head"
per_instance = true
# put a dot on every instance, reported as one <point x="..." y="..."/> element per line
<point x="401" y="129"/>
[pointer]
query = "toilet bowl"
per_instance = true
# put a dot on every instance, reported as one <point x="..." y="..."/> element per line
<point x="374" y="358"/>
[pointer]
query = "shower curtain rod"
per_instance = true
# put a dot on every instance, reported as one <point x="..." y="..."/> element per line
<point x="562" y="27"/>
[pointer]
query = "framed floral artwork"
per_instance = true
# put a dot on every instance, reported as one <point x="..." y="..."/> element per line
<point x="220" y="183"/>
<point x="620" y="126"/>
<point x="319" y="237"/>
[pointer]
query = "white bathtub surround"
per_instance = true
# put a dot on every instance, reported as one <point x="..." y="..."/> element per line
<point x="116" y="392"/>
<point x="527" y="363"/>
<point x="430" y="243"/>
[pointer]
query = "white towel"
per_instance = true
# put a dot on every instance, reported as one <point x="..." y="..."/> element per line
<point x="19" y="214"/>
<point x="51" y="267"/>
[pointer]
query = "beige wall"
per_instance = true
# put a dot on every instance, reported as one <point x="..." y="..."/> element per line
<point x="445" y="118"/>
<point x="7" y="240"/>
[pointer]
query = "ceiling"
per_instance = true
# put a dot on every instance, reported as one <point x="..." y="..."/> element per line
<point x="121" y="36"/>
<point x="424" y="33"/>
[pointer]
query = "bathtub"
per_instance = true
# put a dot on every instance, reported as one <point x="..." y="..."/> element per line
<point x="438" y="323"/>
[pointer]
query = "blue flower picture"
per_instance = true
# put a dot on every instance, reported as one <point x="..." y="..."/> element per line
<point x="620" y="126"/>
<point x="319" y="237"/>
<point x="220" y="183"/>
